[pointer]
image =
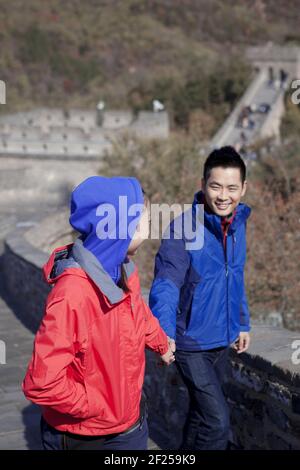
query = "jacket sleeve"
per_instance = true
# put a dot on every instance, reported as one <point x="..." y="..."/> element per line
<point x="156" y="338"/>
<point x="171" y="264"/>
<point x="244" y="312"/>
<point x="47" y="382"/>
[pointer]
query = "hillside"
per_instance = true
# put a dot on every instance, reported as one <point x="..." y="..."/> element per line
<point x="187" y="53"/>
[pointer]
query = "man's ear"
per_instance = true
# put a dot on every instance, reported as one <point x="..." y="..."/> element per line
<point x="202" y="184"/>
<point x="244" y="188"/>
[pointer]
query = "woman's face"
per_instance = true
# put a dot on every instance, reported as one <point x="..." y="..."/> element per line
<point x="142" y="231"/>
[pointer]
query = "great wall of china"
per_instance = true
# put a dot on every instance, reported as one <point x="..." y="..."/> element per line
<point x="263" y="386"/>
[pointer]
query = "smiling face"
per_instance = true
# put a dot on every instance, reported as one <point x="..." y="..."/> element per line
<point x="223" y="190"/>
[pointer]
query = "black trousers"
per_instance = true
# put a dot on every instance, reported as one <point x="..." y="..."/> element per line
<point x="134" y="439"/>
<point x="53" y="439"/>
<point x="207" y="426"/>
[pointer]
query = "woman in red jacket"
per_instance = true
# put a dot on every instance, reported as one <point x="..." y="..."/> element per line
<point x="88" y="363"/>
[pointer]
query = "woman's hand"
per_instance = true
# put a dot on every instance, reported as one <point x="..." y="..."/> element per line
<point x="168" y="357"/>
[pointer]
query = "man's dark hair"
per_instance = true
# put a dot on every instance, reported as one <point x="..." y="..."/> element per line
<point x="226" y="157"/>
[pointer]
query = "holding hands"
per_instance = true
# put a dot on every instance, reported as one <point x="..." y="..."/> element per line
<point x="169" y="357"/>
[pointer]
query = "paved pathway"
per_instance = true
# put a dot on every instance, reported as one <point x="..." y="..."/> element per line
<point x="19" y="419"/>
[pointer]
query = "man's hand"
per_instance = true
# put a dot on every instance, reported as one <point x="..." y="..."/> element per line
<point x="172" y="344"/>
<point x="242" y="343"/>
<point x="168" y="357"/>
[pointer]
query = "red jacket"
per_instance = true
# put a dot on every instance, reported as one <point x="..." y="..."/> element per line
<point x="88" y="363"/>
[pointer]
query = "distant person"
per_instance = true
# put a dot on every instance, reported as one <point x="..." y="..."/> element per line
<point x="271" y="76"/>
<point x="277" y="84"/>
<point x="283" y="78"/>
<point x="87" y="367"/>
<point x="251" y="124"/>
<point x="199" y="297"/>
<point x="245" y="122"/>
<point x="243" y="138"/>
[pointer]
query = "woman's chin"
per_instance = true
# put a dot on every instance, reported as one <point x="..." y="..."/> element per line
<point x="132" y="252"/>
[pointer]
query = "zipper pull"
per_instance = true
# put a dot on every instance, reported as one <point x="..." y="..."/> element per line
<point x="226" y="268"/>
<point x="234" y="240"/>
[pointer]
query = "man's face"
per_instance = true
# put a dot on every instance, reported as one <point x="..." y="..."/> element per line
<point x="223" y="190"/>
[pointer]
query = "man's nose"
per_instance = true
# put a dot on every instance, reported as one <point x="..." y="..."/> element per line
<point x="223" y="195"/>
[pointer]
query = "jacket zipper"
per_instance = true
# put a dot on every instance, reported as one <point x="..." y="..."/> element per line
<point x="225" y="252"/>
<point x="226" y="272"/>
<point x="234" y="240"/>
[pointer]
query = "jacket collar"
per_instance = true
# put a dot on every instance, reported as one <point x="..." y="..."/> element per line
<point x="77" y="260"/>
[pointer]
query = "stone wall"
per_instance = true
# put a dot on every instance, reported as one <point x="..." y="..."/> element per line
<point x="22" y="278"/>
<point x="30" y="182"/>
<point x="262" y="387"/>
<point x="277" y="57"/>
<point x="264" y="402"/>
<point x="74" y="134"/>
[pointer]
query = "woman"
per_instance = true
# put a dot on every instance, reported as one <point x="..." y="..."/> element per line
<point x="88" y="363"/>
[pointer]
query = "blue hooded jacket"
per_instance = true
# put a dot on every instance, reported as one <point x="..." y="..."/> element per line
<point x="106" y="212"/>
<point x="199" y="295"/>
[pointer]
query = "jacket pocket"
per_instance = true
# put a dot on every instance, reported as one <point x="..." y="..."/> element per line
<point x="94" y="399"/>
<point x="186" y="300"/>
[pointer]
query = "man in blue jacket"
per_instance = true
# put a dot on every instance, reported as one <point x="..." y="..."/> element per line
<point x="199" y="296"/>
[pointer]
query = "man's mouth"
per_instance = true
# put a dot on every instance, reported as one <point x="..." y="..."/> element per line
<point x="222" y="206"/>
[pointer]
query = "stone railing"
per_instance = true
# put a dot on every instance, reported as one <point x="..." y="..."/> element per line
<point x="262" y="387"/>
<point x="22" y="263"/>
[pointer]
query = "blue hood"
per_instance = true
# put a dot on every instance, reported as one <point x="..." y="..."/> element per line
<point x="96" y="213"/>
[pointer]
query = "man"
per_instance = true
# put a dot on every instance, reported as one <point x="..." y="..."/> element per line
<point x="199" y="297"/>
